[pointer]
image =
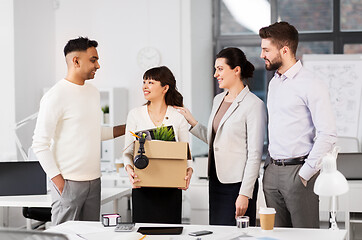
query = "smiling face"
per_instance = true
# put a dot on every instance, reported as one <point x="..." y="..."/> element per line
<point x="153" y="91"/>
<point x="87" y="63"/>
<point x="271" y="54"/>
<point x="226" y="77"/>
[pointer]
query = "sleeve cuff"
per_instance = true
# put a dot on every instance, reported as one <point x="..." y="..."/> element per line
<point x="306" y="171"/>
<point x="193" y="129"/>
<point x="246" y="193"/>
<point x="107" y="133"/>
<point x="127" y="162"/>
<point x="47" y="162"/>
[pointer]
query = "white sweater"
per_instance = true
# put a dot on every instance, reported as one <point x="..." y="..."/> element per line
<point x="138" y="119"/>
<point x="68" y="132"/>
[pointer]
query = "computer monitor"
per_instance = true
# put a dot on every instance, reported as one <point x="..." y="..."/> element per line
<point x="350" y="165"/>
<point x="22" y="178"/>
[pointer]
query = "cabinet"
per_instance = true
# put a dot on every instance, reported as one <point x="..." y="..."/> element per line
<point x="199" y="192"/>
<point x="117" y="101"/>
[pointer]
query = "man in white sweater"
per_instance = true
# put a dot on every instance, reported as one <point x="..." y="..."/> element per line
<point x="68" y="135"/>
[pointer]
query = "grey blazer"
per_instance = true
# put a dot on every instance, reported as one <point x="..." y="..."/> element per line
<point x="239" y="140"/>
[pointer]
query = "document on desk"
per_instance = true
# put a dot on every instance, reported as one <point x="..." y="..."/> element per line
<point x="81" y="229"/>
<point x="122" y="236"/>
<point x="248" y="237"/>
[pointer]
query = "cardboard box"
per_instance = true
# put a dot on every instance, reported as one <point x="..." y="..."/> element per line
<point x="167" y="164"/>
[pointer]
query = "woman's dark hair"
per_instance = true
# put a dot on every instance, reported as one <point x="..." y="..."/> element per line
<point x="235" y="57"/>
<point x="164" y="75"/>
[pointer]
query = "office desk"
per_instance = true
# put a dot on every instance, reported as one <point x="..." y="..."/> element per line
<point x="107" y="195"/>
<point x="76" y="230"/>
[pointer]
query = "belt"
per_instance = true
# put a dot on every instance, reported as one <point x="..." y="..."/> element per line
<point x="289" y="161"/>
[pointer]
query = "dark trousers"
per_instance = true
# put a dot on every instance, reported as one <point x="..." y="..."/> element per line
<point x="296" y="205"/>
<point x="222" y="198"/>
<point x="156" y="205"/>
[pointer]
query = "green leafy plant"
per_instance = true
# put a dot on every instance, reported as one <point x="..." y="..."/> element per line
<point x="163" y="133"/>
<point x="105" y="109"/>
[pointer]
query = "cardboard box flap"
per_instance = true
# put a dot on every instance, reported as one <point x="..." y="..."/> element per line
<point x="165" y="150"/>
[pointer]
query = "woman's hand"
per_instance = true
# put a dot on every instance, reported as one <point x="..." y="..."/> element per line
<point x="187" y="114"/>
<point x="132" y="176"/>
<point x="241" y="205"/>
<point x="189" y="172"/>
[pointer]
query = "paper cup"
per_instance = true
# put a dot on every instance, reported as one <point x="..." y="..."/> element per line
<point x="267" y="218"/>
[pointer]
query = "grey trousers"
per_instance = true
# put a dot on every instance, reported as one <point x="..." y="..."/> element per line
<point x="79" y="201"/>
<point x="296" y="205"/>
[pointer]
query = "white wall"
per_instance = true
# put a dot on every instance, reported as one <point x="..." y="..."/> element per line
<point x="202" y="65"/>
<point x="7" y="95"/>
<point x="34" y="33"/>
<point x="122" y="28"/>
<point x="180" y="29"/>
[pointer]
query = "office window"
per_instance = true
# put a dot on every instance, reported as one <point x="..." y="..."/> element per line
<point x="351" y="15"/>
<point x="325" y="27"/>
<point x="243" y="16"/>
<point x="258" y="83"/>
<point x="352" y="49"/>
<point x="314" y="48"/>
<point x="307" y="16"/>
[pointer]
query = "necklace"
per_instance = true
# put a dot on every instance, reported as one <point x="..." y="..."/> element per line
<point x="155" y="118"/>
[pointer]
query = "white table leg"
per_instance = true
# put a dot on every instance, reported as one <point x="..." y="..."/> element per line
<point x="28" y="224"/>
<point x="115" y="205"/>
<point x="6" y="216"/>
<point x="2" y="216"/>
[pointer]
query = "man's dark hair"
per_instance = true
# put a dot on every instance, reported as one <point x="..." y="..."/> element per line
<point x="79" y="44"/>
<point x="281" y="34"/>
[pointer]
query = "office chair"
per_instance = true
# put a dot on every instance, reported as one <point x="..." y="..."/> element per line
<point x="42" y="215"/>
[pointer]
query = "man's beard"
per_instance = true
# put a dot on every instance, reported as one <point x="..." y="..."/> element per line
<point x="274" y="65"/>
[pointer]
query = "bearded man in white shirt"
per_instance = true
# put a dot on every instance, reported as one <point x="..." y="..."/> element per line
<point x="301" y="130"/>
<point x="68" y="135"/>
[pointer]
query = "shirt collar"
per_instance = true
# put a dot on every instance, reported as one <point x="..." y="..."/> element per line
<point x="291" y="72"/>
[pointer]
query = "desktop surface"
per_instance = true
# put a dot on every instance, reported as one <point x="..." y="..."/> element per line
<point x="76" y="230"/>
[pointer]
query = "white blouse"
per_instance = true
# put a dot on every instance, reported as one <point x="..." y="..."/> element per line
<point x="138" y="119"/>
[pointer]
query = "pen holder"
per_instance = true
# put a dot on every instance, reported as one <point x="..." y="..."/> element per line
<point x="111" y="220"/>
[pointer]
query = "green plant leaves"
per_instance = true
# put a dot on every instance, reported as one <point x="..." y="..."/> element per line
<point x="164" y="133"/>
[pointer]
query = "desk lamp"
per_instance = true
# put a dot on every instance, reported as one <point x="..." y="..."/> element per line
<point x="331" y="183"/>
<point x="17" y="140"/>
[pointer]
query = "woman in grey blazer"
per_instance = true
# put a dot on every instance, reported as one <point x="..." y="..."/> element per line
<point x="235" y="135"/>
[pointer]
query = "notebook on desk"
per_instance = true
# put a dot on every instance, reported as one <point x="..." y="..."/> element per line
<point x="160" y="230"/>
<point x="22" y="178"/>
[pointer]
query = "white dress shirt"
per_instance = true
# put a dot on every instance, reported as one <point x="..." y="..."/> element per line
<point x="138" y="119"/>
<point x="301" y="119"/>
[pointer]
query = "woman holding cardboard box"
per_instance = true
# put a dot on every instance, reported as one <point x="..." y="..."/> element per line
<point x="150" y="204"/>
<point x="235" y="135"/>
